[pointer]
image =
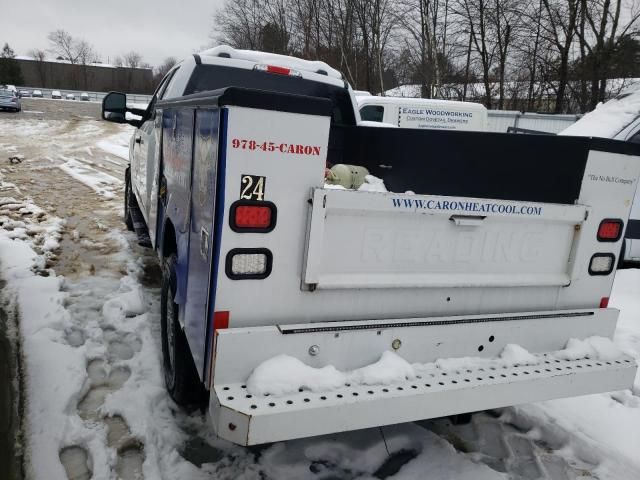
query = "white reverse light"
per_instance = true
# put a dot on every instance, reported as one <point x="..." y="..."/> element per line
<point x="601" y="264"/>
<point x="249" y="264"/>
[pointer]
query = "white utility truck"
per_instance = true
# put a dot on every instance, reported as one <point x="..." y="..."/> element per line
<point x="508" y="240"/>
<point x="423" y="113"/>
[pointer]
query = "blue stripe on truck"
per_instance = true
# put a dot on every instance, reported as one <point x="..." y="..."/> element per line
<point x="217" y="229"/>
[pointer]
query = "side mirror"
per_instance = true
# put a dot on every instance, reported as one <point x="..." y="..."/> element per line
<point x="114" y="107"/>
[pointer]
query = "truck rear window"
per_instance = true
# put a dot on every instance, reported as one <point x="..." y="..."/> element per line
<point x="213" y="77"/>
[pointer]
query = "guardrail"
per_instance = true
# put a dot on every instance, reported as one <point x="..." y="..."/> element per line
<point x="503" y="120"/>
<point x="93" y="96"/>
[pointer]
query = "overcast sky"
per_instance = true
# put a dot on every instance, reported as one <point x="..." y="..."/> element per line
<point x="155" y="28"/>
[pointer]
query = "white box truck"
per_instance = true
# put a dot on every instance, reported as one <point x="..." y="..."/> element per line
<point x="423" y="113"/>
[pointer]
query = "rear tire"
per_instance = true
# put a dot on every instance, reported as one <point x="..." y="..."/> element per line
<point x="180" y="375"/>
<point x="128" y="219"/>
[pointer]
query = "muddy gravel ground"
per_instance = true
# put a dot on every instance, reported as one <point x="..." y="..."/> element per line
<point x="50" y="154"/>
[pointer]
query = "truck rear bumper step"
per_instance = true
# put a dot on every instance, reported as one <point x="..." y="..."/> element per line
<point x="248" y="420"/>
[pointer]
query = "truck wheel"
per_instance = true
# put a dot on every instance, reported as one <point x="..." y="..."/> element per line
<point x="180" y="375"/>
<point x="128" y="220"/>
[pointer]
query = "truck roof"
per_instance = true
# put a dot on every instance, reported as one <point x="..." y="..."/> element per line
<point x="255" y="57"/>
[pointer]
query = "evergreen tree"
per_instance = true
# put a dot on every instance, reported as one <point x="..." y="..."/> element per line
<point x="10" y="72"/>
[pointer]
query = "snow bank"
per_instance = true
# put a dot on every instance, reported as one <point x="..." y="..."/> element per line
<point x="127" y="304"/>
<point x="55" y="369"/>
<point x="100" y="182"/>
<point x="121" y="151"/>
<point x="360" y="454"/>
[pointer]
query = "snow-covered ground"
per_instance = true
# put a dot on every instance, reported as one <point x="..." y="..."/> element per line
<point x="96" y="406"/>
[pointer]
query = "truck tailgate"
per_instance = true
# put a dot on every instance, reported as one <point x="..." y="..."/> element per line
<point x="385" y="240"/>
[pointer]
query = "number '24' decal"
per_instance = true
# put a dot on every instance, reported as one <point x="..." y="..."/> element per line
<point x="252" y="187"/>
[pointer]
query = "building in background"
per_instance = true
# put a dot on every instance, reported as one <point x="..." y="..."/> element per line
<point x="96" y="77"/>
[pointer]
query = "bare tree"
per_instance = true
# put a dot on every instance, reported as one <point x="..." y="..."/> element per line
<point x="239" y="23"/>
<point x="476" y="14"/>
<point x="166" y="65"/>
<point x="63" y="45"/>
<point x="163" y="69"/>
<point x="132" y="59"/>
<point x="85" y="52"/>
<point x="40" y="58"/>
<point x="600" y="40"/>
<point x="505" y="53"/>
<point x="505" y="23"/>
<point x="559" y="27"/>
<point x="74" y="50"/>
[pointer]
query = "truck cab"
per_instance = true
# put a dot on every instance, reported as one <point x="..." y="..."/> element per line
<point x="480" y="241"/>
<point x="218" y="68"/>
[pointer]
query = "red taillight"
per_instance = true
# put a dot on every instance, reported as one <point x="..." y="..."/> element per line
<point x="604" y="302"/>
<point x="252" y="216"/>
<point x="220" y="320"/>
<point x="278" y="70"/>
<point x="610" y="230"/>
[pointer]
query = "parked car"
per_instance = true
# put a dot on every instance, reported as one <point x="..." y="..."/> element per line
<point x="56" y="94"/>
<point x="24" y="93"/>
<point x="70" y="96"/>
<point x="84" y="96"/>
<point x="9" y="100"/>
<point x="37" y="94"/>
